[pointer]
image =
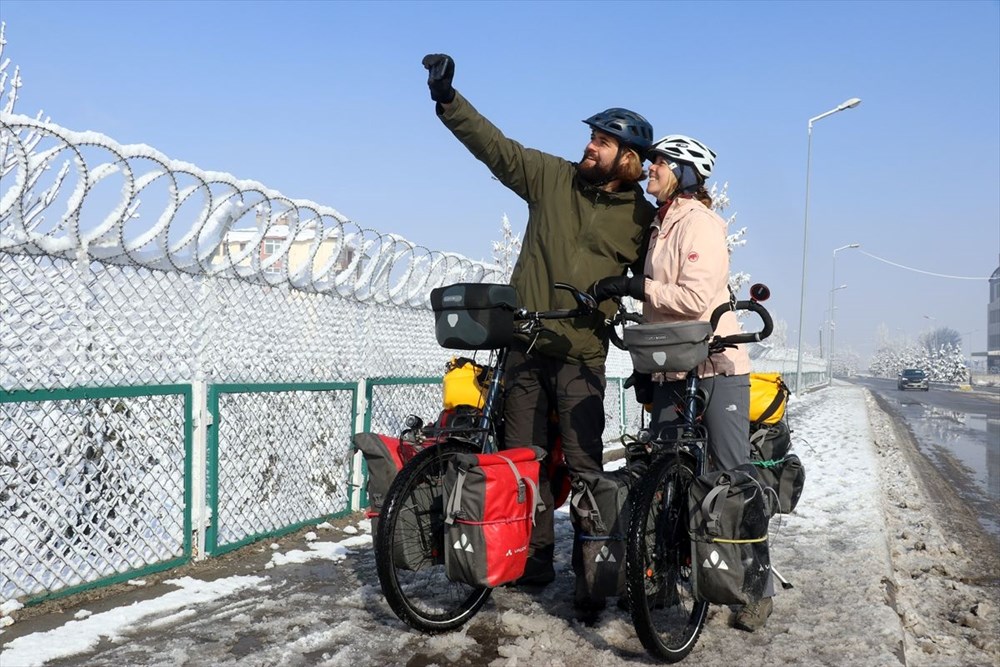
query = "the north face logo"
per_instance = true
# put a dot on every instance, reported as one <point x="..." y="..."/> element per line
<point x="605" y="556"/>
<point x="715" y="561"/>
<point x="462" y="544"/>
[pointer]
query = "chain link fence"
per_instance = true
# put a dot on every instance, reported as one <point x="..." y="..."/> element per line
<point x="94" y="484"/>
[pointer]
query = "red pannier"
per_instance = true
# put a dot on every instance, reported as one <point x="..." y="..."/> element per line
<point x="384" y="459"/>
<point x="490" y="506"/>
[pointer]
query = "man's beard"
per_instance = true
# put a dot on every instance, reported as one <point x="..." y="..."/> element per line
<point x="595" y="174"/>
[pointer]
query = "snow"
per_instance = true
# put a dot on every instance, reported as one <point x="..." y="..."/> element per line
<point x="876" y="582"/>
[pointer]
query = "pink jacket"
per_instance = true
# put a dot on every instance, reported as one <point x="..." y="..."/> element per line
<point x="687" y="276"/>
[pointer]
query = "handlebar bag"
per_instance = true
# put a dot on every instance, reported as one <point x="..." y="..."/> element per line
<point x="768" y="396"/>
<point x="728" y="514"/>
<point x="490" y="506"/>
<point x="474" y="316"/>
<point x="668" y="347"/>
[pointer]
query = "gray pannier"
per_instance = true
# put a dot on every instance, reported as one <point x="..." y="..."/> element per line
<point x="728" y="513"/>
<point x="668" y="347"/>
<point x="599" y="510"/>
<point x="474" y="316"/>
<point x="779" y="468"/>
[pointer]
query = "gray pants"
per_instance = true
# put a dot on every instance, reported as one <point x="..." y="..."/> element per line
<point x="727" y="416"/>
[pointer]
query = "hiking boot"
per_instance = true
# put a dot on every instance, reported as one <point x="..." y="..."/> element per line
<point x="753" y="616"/>
<point x="589" y="604"/>
<point x="538" y="572"/>
<point x="538" y="579"/>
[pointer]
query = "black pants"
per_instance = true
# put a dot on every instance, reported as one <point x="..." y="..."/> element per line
<point x="535" y="386"/>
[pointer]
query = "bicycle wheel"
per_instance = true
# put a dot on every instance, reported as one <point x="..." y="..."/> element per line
<point x="409" y="546"/>
<point x="666" y="615"/>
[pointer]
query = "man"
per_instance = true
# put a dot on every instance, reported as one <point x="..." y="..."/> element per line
<point x="586" y="220"/>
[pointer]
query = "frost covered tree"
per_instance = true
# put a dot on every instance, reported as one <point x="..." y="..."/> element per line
<point x="944" y="364"/>
<point x="734" y="239"/>
<point x="507" y="249"/>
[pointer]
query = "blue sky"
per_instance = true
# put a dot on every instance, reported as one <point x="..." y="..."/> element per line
<point x="327" y="101"/>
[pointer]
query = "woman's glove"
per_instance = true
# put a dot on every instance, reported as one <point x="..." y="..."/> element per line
<point x="440" y="72"/>
<point x="643" y="384"/>
<point x="605" y="288"/>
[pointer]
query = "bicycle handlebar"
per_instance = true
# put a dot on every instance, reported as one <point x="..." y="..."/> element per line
<point x="737" y="339"/>
<point x="621" y="317"/>
<point x="585" y="305"/>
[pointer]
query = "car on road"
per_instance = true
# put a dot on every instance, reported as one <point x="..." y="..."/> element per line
<point x="912" y="378"/>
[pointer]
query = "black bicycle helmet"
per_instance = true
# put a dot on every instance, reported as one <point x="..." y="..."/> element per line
<point x="630" y="128"/>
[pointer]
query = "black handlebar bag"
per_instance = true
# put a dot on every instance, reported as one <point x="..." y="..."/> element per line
<point x="474" y="316"/>
<point x="668" y="347"/>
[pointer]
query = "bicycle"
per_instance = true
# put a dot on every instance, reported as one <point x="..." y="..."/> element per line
<point x="409" y="541"/>
<point x="667" y="616"/>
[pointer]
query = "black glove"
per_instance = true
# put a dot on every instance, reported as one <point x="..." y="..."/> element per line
<point x="605" y="288"/>
<point x="643" y="384"/>
<point x="440" y="72"/>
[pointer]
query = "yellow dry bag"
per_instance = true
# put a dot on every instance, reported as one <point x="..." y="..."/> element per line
<point x="464" y="384"/>
<point x="768" y="395"/>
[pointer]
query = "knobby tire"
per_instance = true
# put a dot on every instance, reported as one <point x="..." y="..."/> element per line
<point x="411" y="521"/>
<point x="667" y="617"/>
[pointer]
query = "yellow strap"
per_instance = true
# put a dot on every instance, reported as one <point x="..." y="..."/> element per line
<point x="759" y="539"/>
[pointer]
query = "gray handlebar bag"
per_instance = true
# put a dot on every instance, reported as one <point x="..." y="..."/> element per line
<point x="668" y="347"/>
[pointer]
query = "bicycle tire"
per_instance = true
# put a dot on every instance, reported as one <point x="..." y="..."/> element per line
<point x="411" y="528"/>
<point x="667" y="617"/>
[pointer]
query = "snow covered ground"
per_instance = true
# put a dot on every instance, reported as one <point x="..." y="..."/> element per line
<point x="876" y="582"/>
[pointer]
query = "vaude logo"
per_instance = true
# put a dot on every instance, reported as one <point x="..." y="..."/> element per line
<point x="462" y="544"/>
<point x="715" y="561"/>
<point x="454" y="298"/>
<point x="452" y="319"/>
<point x="511" y="552"/>
<point x="605" y="556"/>
<point x="660" y="357"/>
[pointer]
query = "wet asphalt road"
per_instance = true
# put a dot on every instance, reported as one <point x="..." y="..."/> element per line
<point x="958" y="433"/>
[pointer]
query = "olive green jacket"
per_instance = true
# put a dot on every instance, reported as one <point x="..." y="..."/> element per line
<point x="576" y="232"/>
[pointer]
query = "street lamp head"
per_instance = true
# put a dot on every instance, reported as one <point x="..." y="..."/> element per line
<point x="845" y="247"/>
<point x="850" y="104"/>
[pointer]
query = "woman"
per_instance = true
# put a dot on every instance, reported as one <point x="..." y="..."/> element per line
<point x="686" y="277"/>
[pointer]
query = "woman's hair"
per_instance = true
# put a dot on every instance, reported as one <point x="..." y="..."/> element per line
<point x="701" y="194"/>
<point x="630" y="167"/>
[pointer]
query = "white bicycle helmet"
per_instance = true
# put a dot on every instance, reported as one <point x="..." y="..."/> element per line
<point x="685" y="149"/>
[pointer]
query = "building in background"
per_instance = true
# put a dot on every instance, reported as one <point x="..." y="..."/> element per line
<point x="269" y="248"/>
<point x="992" y="352"/>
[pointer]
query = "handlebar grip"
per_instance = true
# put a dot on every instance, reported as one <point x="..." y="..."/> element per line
<point x="620" y="318"/>
<point x="737" y="339"/>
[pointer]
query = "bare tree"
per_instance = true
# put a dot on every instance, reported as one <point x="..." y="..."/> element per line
<point x="933" y="341"/>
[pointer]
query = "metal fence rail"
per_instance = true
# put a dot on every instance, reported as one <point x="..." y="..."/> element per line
<point x="279" y="457"/>
<point x="95" y="486"/>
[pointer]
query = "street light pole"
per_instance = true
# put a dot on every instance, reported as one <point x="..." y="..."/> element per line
<point x="833" y="290"/>
<point x="849" y="104"/>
